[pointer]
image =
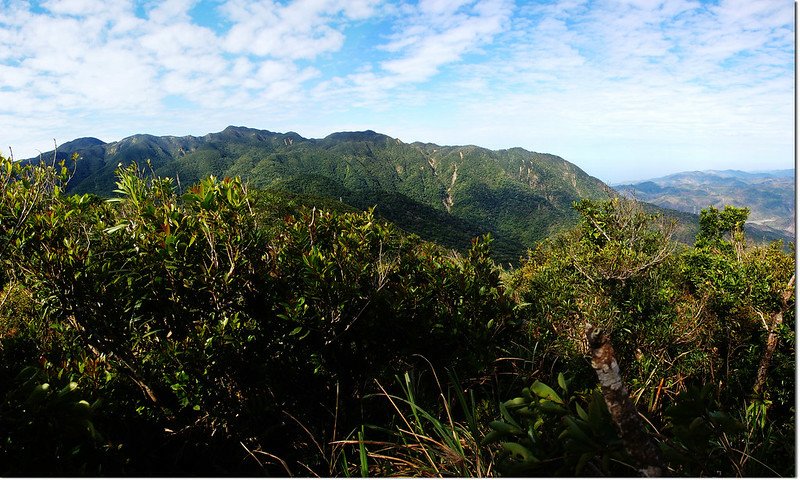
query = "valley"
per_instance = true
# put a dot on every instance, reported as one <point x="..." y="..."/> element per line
<point x="770" y="196"/>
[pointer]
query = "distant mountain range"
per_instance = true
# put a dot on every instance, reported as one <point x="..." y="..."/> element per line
<point x="445" y="194"/>
<point x="770" y="195"/>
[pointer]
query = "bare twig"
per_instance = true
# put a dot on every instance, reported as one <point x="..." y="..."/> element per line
<point x="275" y="457"/>
<point x="251" y="454"/>
<point x="310" y="435"/>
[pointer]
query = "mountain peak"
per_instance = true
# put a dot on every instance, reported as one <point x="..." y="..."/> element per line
<point x="240" y="129"/>
<point x="80" y="143"/>
<point x="247" y="134"/>
<point x="362" y="136"/>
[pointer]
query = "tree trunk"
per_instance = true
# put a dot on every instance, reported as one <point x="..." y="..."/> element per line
<point x="638" y="444"/>
<point x="772" y="338"/>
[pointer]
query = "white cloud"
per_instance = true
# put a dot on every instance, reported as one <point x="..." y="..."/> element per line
<point x="608" y="83"/>
<point x="303" y="29"/>
<point x="425" y="39"/>
<point x="441" y="32"/>
<point x="165" y="12"/>
<point x="595" y="79"/>
<point x="83" y="8"/>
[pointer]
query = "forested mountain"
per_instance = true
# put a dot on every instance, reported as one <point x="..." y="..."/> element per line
<point x="445" y="194"/>
<point x="769" y="195"/>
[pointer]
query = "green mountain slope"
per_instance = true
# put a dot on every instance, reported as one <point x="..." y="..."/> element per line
<point x="445" y="194"/>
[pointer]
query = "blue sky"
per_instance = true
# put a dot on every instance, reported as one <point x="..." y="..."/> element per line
<point x="625" y="89"/>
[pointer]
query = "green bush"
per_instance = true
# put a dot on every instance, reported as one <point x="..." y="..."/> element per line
<point x="218" y="330"/>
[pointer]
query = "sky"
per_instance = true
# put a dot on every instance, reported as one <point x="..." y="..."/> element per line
<point x="625" y="89"/>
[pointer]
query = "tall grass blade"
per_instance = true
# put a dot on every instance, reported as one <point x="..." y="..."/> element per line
<point x="467" y="409"/>
<point x="362" y="454"/>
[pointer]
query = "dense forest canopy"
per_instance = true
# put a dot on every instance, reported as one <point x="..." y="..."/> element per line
<point x="222" y="329"/>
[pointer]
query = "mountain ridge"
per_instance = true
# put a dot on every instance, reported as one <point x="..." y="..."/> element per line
<point x="768" y="194"/>
<point x="446" y="194"/>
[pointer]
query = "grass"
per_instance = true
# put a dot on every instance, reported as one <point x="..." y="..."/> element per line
<point x="440" y="440"/>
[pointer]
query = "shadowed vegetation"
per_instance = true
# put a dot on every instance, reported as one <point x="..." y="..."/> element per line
<point x="216" y="328"/>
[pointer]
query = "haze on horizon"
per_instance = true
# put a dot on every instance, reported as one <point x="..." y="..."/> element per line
<point x="625" y="89"/>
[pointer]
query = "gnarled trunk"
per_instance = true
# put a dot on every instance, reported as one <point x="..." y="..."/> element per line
<point x="638" y="444"/>
<point x="772" y="338"/>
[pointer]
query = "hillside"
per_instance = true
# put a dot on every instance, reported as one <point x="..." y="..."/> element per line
<point x="769" y="195"/>
<point x="447" y="194"/>
<point x="233" y="331"/>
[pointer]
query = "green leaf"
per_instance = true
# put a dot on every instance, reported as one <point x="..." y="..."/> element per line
<point x="696" y="423"/>
<point x="68" y="389"/>
<point x="582" y="413"/>
<point x="82" y="408"/>
<point x="729" y="424"/>
<point x="551" y="407"/>
<point x="362" y="454"/>
<point x="582" y="462"/>
<point x="575" y="432"/>
<point x="519" y="451"/>
<point x="544" y="391"/>
<point x="115" y="228"/>
<point x="503" y="427"/>
<point x="526" y="393"/>
<point x="562" y="382"/>
<point x="516" y="402"/>
<point x="492" y="436"/>
<point x="38" y="393"/>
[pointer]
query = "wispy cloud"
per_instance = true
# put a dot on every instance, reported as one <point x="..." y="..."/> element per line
<point x="423" y="40"/>
<point x="439" y="32"/>
<point x="650" y="85"/>
<point x="602" y="82"/>
<point x="300" y="30"/>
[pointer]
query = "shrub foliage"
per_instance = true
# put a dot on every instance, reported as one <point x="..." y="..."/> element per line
<point x="220" y="330"/>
